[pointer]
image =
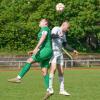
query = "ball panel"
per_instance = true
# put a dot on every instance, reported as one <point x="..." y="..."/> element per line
<point x="60" y="7"/>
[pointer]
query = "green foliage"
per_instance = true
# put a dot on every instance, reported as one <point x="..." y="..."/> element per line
<point x="19" y="21"/>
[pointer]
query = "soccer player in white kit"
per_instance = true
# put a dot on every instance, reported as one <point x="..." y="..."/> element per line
<point x="59" y="41"/>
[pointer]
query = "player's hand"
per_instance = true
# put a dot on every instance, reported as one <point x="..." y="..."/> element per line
<point x="75" y="52"/>
<point x="30" y="53"/>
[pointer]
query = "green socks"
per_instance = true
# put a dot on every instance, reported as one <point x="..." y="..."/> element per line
<point x="46" y="80"/>
<point x="24" y="69"/>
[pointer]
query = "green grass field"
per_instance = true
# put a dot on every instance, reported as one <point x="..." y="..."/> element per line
<point x="82" y="84"/>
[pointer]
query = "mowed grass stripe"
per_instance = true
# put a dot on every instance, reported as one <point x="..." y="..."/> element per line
<point x="82" y="84"/>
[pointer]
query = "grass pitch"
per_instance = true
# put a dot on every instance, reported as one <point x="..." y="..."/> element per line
<point x="81" y="84"/>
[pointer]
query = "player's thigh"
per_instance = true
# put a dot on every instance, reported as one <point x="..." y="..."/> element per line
<point x="60" y="64"/>
<point x="53" y="68"/>
<point x="60" y="60"/>
<point x="53" y="62"/>
<point x="42" y="55"/>
<point x="45" y="63"/>
<point x="45" y="54"/>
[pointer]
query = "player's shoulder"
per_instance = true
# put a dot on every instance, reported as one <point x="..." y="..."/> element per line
<point x="56" y="28"/>
<point x="45" y="28"/>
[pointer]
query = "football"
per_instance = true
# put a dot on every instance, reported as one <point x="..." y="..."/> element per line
<point x="60" y="7"/>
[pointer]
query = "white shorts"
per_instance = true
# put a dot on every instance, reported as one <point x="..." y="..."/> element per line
<point x="57" y="58"/>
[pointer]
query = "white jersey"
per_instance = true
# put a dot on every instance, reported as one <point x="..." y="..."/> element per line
<point x="57" y="42"/>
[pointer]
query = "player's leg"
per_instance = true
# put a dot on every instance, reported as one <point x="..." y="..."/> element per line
<point x="44" y="57"/>
<point x="44" y="68"/>
<point x="61" y="76"/>
<point x="26" y="68"/>
<point x="50" y="90"/>
<point x="46" y="81"/>
<point x="52" y="72"/>
<point x="45" y="76"/>
<point x="61" y="80"/>
<point x="23" y="71"/>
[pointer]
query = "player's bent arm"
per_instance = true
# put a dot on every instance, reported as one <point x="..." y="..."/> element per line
<point x="43" y="37"/>
<point x="66" y="46"/>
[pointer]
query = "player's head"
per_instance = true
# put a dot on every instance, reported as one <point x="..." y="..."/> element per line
<point x="43" y="23"/>
<point x="65" y="26"/>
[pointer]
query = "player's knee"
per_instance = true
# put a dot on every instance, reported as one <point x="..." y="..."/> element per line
<point x="53" y="71"/>
<point x="44" y="72"/>
<point x="30" y="60"/>
<point x="61" y="72"/>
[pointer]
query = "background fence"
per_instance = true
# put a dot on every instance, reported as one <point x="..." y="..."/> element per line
<point x="80" y="63"/>
<point x="14" y="64"/>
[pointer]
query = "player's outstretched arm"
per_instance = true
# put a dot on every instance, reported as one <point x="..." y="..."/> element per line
<point x="66" y="46"/>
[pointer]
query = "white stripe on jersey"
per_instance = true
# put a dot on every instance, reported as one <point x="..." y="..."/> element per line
<point x="44" y="32"/>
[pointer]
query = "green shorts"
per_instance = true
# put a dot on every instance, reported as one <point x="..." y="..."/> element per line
<point x="43" y="57"/>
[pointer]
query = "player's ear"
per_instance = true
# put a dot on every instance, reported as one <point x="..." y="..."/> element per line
<point x="46" y="21"/>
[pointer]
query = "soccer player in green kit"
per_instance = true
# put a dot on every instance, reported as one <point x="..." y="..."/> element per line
<point x="42" y="54"/>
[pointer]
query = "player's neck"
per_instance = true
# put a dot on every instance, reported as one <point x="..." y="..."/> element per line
<point x="61" y="28"/>
<point x="44" y="26"/>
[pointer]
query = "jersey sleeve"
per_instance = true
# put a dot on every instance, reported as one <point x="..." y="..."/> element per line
<point x="64" y="38"/>
<point x="54" y="30"/>
<point x="55" y="33"/>
<point x="44" y="32"/>
<point x="66" y="45"/>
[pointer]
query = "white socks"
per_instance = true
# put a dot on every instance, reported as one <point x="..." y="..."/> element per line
<point x="61" y="80"/>
<point x="18" y="77"/>
<point x="51" y="76"/>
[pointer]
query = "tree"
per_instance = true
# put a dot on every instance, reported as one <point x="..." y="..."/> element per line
<point x="19" y="22"/>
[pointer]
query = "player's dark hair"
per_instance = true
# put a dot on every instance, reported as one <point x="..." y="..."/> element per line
<point x="45" y="20"/>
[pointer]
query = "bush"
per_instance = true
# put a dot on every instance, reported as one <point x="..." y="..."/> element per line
<point x="19" y="22"/>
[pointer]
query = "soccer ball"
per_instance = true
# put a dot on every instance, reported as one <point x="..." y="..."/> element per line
<point x="60" y="7"/>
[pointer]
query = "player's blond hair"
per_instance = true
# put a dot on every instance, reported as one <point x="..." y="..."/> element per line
<point x="65" y="22"/>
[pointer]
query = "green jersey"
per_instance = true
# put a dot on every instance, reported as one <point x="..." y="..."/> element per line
<point x="45" y="53"/>
<point x="47" y="41"/>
